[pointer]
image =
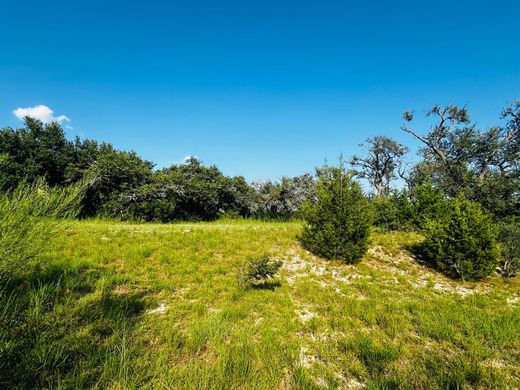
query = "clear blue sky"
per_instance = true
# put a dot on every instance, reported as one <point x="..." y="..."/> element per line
<point x="259" y="88"/>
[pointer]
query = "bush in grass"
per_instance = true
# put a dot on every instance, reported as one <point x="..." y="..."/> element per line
<point x="509" y="239"/>
<point x="338" y="220"/>
<point x="462" y="242"/>
<point x="258" y="270"/>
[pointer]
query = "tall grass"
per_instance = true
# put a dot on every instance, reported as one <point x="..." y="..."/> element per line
<point x="29" y="216"/>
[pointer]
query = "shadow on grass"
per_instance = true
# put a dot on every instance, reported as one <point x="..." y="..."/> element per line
<point x="419" y="254"/>
<point x="269" y="285"/>
<point x="57" y="329"/>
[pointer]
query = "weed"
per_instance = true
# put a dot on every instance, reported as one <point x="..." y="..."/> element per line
<point x="258" y="271"/>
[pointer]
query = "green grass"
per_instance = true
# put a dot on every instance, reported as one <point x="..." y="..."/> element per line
<point x="114" y="305"/>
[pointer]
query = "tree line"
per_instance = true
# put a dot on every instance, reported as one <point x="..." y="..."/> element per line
<point x="456" y="157"/>
<point x="466" y="185"/>
<point x="120" y="184"/>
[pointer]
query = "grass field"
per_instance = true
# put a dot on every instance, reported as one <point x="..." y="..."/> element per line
<point x="158" y="306"/>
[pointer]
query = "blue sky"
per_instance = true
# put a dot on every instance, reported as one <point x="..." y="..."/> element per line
<point x="259" y="88"/>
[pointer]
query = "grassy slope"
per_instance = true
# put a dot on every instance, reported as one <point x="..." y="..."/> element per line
<point x="122" y="305"/>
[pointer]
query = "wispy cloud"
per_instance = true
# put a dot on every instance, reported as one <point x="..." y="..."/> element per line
<point x="41" y="112"/>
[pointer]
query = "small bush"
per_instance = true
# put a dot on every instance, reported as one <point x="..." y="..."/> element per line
<point x="462" y="241"/>
<point x="258" y="270"/>
<point x="338" y="221"/>
<point x="509" y="239"/>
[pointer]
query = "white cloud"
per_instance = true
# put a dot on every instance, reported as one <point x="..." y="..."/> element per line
<point x="187" y="158"/>
<point x="41" y="112"/>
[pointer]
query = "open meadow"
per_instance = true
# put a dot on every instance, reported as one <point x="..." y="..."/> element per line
<point x="121" y="305"/>
<point x="260" y="195"/>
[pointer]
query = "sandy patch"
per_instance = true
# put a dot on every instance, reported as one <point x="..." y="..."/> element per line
<point x="161" y="309"/>
<point x="305" y="315"/>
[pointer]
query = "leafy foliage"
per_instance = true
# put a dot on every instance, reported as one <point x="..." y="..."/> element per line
<point x="395" y="212"/>
<point x="462" y="241"/>
<point x="113" y="173"/>
<point x="284" y="199"/>
<point x="460" y="158"/>
<point x="32" y="152"/>
<point x="457" y="158"/>
<point x="509" y="238"/>
<point x="41" y="151"/>
<point x="189" y="191"/>
<point x="428" y="203"/>
<point x="338" y="221"/>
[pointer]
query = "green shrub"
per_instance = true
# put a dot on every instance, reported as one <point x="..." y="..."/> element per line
<point x="112" y="174"/>
<point x="258" y="270"/>
<point x="393" y="212"/>
<point x="283" y="199"/>
<point x="509" y="239"/>
<point x="427" y="203"/>
<point x="338" y="221"/>
<point x="462" y="241"/>
<point x="386" y="214"/>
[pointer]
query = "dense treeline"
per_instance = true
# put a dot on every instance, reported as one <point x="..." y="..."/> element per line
<point x="121" y="184"/>
<point x="457" y="157"/>
<point x="465" y="176"/>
